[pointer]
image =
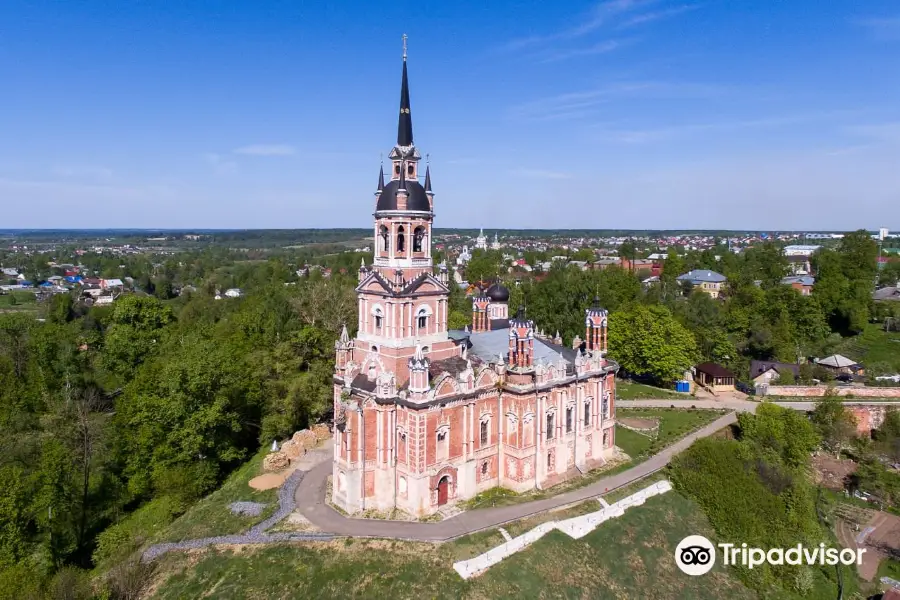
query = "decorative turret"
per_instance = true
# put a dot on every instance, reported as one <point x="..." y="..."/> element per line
<point x="521" y="341"/>
<point x="595" y="327"/>
<point x="380" y="188"/>
<point x="343" y="350"/>
<point x="363" y="271"/>
<point x="481" y="319"/>
<point x="428" y="191"/>
<point x="418" y="372"/>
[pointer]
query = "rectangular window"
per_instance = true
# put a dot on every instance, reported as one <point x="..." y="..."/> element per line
<point x="378" y="322"/>
<point x="587" y="414"/>
<point x="443" y="446"/>
<point x="569" y="420"/>
<point x="550" y="426"/>
<point x="423" y="321"/>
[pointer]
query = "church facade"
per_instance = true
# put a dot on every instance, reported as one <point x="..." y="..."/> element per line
<point x="426" y="416"/>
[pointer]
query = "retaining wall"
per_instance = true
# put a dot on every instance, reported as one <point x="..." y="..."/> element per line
<point x="813" y="391"/>
<point x="576" y="527"/>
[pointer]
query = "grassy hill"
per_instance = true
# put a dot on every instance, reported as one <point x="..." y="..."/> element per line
<point x="627" y="557"/>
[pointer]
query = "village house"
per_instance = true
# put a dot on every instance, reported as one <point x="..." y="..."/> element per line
<point x="714" y="377"/>
<point x="707" y="281"/>
<point x="767" y="371"/>
<point x="839" y="364"/>
<point x="802" y="283"/>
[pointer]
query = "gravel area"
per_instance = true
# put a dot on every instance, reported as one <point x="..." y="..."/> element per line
<point x="249" y="509"/>
<point x="257" y="534"/>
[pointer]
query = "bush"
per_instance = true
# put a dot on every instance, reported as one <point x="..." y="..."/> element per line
<point x="70" y="583"/>
<point x="185" y="483"/>
<point x="128" y="580"/>
<point x="749" y="495"/>
<point x="119" y="540"/>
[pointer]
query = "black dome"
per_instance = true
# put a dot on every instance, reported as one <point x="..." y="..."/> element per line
<point x="417" y="199"/>
<point x="497" y="293"/>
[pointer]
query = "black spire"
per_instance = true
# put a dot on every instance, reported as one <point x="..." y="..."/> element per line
<point x="596" y="303"/>
<point x="427" y="178"/>
<point x="520" y="314"/>
<point x="380" y="179"/>
<point x="404" y="127"/>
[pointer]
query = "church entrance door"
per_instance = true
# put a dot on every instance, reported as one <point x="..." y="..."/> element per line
<point x="443" y="490"/>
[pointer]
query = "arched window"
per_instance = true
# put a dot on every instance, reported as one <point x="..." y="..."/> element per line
<point x="418" y="239"/>
<point x="551" y="422"/>
<point x="410" y="169"/>
<point x="587" y="413"/>
<point x="422" y="317"/>
<point x="384" y="242"/>
<point x="484" y="468"/>
<point x="605" y="412"/>
<point x="401" y="239"/>
<point x="484" y="433"/>
<point x="442" y="449"/>
<point x="379" y="317"/>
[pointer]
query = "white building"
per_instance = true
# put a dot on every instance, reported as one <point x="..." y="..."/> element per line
<point x="481" y="240"/>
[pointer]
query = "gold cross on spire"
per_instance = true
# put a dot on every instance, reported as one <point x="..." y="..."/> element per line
<point x="404" y="46"/>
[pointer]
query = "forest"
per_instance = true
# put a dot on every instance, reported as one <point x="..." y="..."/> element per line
<point x="148" y="402"/>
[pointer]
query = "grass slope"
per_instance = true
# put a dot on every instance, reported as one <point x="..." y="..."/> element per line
<point x="211" y="515"/>
<point x="629" y="557"/>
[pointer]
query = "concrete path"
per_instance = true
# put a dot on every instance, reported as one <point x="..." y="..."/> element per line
<point x="310" y="499"/>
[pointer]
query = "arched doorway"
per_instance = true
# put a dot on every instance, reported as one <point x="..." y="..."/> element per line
<point x="443" y="490"/>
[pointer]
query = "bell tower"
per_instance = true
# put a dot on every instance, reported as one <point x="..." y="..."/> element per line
<point x="403" y="299"/>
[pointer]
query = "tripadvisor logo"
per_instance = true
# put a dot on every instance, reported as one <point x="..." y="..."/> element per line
<point x="696" y="555"/>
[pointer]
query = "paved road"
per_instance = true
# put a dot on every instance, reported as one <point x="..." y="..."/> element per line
<point x="310" y="499"/>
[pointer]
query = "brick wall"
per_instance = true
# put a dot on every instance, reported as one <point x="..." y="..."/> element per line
<point x="813" y="391"/>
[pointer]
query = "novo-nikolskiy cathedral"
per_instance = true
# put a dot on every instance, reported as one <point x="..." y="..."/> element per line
<point x="426" y="416"/>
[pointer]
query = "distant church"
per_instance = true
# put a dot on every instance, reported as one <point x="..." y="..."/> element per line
<point x="425" y="416"/>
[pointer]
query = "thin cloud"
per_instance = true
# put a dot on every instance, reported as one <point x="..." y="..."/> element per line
<point x="599" y="16"/>
<point x="266" y="150"/>
<point x="84" y="172"/>
<point x="644" y="136"/>
<point x="649" y="17"/>
<point x="882" y="28"/>
<point x="888" y="132"/>
<point x="540" y="174"/>
<point x="220" y="164"/>
<point x="600" y="48"/>
<point x="582" y="104"/>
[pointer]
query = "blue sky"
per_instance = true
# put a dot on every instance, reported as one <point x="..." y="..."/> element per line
<point x="623" y="113"/>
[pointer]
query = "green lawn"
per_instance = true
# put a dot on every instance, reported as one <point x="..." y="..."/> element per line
<point x="211" y="515"/>
<point x="674" y="424"/>
<point x="18" y="300"/>
<point x="628" y="390"/>
<point x="634" y="444"/>
<point x="878" y="350"/>
<point x="628" y="557"/>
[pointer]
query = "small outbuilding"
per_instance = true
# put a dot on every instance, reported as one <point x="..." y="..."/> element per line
<point x="715" y="377"/>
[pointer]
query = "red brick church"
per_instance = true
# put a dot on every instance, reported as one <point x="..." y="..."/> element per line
<point x="426" y="416"/>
